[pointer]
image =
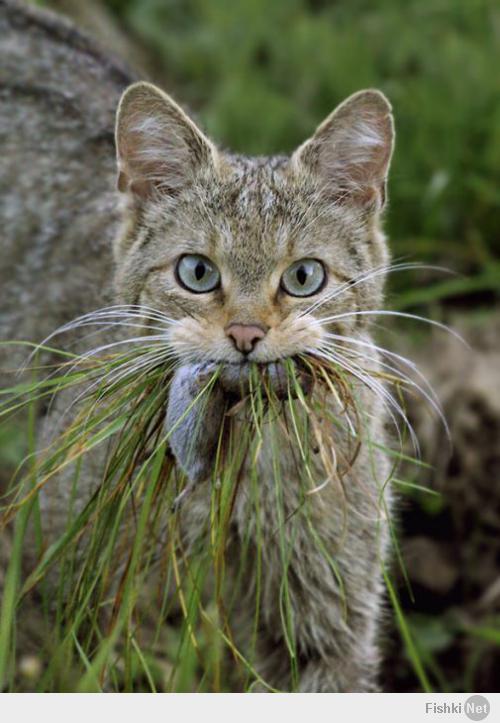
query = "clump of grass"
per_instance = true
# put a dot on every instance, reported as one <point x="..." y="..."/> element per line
<point x="124" y="565"/>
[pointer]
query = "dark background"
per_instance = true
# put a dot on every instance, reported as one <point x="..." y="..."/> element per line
<point x="260" y="75"/>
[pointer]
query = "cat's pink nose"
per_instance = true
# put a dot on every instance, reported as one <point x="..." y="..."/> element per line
<point x="245" y="336"/>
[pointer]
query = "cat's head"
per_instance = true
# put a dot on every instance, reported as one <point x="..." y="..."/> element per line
<point x="250" y="256"/>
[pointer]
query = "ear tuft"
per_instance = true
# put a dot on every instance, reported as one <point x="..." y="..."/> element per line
<point x="159" y="148"/>
<point x="351" y="150"/>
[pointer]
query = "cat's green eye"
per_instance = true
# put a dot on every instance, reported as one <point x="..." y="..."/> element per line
<point x="304" y="278"/>
<point x="198" y="274"/>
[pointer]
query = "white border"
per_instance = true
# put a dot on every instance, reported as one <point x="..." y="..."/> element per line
<point x="238" y="708"/>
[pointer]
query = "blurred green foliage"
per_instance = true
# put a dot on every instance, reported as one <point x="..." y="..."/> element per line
<point x="263" y="73"/>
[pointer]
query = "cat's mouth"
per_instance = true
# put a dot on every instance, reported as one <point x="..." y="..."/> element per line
<point x="280" y="377"/>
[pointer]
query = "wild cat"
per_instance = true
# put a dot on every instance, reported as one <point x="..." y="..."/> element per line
<point x="249" y="256"/>
<point x="255" y="260"/>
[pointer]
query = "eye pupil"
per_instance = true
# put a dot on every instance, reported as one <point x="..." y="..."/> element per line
<point x="197" y="274"/>
<point x="304" y="278"/>
<point x="301" y="275"/>
<point x="199" y="270"/>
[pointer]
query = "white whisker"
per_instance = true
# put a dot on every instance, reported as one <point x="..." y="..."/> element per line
<point x="369" y="381"/>
<point x="386" y="352"/>
<point x="430" y="395"/>
<point x="402" y="314"/>
<point x="113" y="313"/>
<point x="368" y="276"/>
<point x="148" y="361"/>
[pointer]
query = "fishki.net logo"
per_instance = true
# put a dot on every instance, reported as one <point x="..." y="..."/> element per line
<point x="476" y="708"/>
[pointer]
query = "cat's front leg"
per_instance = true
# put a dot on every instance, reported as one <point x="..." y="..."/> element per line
<point x="333" y="547"/>
<point x="340" y="676"/>
<point x="330" y="657"/>
<point x="339" y="636"/>
<point x="334" y="654"/>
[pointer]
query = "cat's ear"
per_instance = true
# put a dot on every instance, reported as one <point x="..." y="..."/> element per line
<point x="159" y="148"/>
<point x="351" y="150"/>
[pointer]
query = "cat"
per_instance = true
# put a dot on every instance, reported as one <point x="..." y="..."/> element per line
<point x="248" y="256"/>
